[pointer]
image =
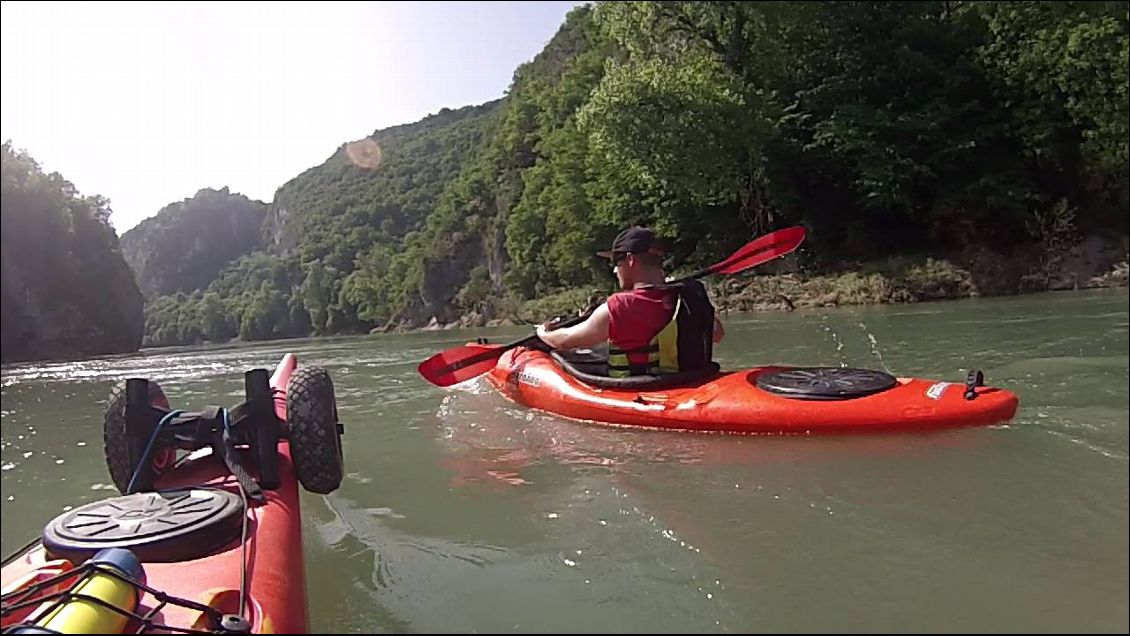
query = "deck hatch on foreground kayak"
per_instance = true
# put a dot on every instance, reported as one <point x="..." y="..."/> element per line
<point x="168" y="525"/>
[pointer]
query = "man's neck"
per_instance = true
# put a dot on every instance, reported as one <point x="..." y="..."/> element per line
<point x="650" y="278"/>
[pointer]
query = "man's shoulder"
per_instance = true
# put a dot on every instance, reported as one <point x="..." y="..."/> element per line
<point x="686" y="287"/>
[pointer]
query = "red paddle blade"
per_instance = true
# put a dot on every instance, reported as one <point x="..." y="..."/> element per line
<point x="762" y="250"/>
<point x="460" y="364"/>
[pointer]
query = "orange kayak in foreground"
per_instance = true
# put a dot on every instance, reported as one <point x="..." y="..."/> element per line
<point x="214" y="539"/>
<point x="757" y="400"/>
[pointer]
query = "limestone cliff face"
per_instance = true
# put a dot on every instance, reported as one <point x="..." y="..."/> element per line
<point x="66" y="291"/>
<point x="39" y="324"/>
<point x="187" y="244"/>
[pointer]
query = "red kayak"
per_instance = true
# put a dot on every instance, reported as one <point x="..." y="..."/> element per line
<point x="204" y="541"/>
<point x="761" y="400"/>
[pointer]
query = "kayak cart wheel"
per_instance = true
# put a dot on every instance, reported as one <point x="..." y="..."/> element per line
<point x="167" y="525"/>
<point x="123" y="452"/>
<point x="825" y="383"/>
<point x="315" y="436"/>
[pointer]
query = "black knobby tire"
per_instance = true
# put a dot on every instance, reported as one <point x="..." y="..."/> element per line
<point x="315" y="441"/>
<point x="122" y="457"/>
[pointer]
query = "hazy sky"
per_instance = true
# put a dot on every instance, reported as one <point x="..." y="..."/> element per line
<point x="146" y="103"/>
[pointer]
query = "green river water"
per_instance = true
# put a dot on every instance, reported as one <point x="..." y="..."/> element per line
<point x="463" y="512"/>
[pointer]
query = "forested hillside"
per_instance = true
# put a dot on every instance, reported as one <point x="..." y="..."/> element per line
<point x="187" y="244"/>
<point x="66" y="290"/>
<point x="990" y="133"/>
<point x="313" y="235"/>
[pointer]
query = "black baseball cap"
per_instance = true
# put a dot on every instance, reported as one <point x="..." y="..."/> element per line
<point x="636" y="240"/>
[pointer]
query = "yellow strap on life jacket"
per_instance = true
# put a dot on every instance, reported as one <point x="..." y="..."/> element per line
<point x="668" y="339"/>
<point x="662" y="352"/>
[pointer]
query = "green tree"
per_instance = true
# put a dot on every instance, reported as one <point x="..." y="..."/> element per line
<point x="214" y="319"/>
<point x="317" y="293"/>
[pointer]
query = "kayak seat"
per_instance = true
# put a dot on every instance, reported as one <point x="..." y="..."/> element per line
<point x="592" y="369"/>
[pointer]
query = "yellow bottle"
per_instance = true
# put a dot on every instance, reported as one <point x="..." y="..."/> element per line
<point x="82" y="616"/>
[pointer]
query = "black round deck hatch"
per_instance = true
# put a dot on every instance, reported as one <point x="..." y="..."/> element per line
<point x="825" y="383"/>
<point x="167" y="525"/>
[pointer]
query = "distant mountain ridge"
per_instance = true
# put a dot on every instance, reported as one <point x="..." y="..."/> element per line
<point x="187" y="244"/>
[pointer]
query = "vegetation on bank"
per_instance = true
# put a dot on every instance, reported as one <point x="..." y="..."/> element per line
<point x="899" y="279"/>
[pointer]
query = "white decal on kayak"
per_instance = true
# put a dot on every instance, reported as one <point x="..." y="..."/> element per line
<point x="526" y="378"/>
<point x="936" y="390"/>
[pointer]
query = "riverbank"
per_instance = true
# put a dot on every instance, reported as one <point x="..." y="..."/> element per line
<point x="903" y="280"/>
<point x="786" y="285"/>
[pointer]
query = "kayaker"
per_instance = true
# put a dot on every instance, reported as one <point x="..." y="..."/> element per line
<point x="650" y="327"/>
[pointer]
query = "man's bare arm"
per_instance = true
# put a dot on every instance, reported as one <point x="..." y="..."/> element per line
<point x="593" y="331"/>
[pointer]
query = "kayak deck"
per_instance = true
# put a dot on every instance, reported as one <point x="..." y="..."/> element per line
<point x="267" y="539"/>
<point x="731" y="401"/>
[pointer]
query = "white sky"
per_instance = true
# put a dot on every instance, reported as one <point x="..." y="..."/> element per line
<point x="145" y="103"/>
